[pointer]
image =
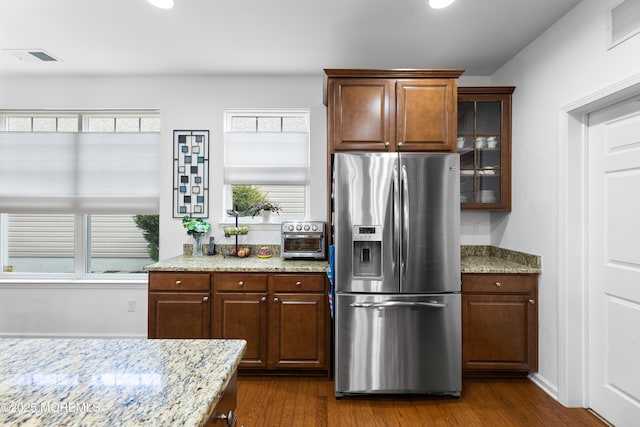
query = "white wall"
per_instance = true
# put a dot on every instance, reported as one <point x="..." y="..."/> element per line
<point x="184" y="103"/>
<point x="568" y="62"/>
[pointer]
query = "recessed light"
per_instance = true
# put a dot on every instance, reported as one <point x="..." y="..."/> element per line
<point x="162" y="4"/>
<point x="440" y="4"/>
<point x="32" y="55"/>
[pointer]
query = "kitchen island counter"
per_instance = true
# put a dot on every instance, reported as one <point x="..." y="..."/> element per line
<point x="114" y="382"/>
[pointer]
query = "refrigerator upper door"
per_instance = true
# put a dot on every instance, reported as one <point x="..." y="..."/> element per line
<point x="366" y="222"/>
<point x="430" y="203"/>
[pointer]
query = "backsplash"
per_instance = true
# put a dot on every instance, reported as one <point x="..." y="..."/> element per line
<point x="225" y="249"/>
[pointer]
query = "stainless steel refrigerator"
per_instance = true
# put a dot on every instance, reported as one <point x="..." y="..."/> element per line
<point x="396" y="219"/>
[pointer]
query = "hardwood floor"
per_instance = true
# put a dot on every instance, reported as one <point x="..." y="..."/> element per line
<point x="293" y="401"/>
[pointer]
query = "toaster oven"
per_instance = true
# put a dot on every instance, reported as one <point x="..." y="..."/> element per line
<point x="303" y="240"/>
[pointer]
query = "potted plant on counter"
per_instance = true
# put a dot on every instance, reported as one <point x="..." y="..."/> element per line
<point x="265" y="208"/>
<point x="196" y="228"/>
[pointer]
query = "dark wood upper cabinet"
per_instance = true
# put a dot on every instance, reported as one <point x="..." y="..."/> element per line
<point x="484" y="144"/>
<point x="391" y="110"/>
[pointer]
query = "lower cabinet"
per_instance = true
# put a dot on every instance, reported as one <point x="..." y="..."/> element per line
<point x="240" y="311"/>
<point x="179" y="305"/>
<point x="283" y="317"/>
<point x="297" y="322"/>
<point x="499" y="323"/>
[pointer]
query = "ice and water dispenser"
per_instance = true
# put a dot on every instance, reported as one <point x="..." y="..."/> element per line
<point x="367" y="251"/>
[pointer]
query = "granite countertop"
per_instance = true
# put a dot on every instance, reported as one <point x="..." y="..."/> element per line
<point x="249" y="264"/>
<point x="80" y="382"/>
<point x="492" y="259"/>
<point x="474" y="259"/>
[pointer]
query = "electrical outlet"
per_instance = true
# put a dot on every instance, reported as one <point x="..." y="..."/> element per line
<point x="131" y="305"/>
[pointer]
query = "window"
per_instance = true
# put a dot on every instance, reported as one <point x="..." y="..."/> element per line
<point x="267" y="159"/>
<point x="78" y="192"/>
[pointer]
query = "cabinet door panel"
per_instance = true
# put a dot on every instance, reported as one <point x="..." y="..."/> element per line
<point x="297" y="331"/>
<point x="426" y="114"/>
<point x="499" y="332"/>
<point x="243" y="316"/>
<point x="360" y="114"/>
<point x="179" y="315"/>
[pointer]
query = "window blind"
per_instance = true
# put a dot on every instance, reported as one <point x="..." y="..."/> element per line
<point x="266" y="158"/>
<point x="95" y="173"/>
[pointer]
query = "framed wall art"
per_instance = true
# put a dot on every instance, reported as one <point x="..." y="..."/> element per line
<point x="191" y="173"/>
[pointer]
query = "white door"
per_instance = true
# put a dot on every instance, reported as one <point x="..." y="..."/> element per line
<point x="614" y="263"/>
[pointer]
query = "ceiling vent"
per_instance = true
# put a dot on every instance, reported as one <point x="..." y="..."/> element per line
<point x="32" y="55"/>
<point x="624" y="21"/>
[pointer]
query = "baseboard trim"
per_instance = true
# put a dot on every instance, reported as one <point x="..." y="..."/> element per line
<point x="545" y="385"/>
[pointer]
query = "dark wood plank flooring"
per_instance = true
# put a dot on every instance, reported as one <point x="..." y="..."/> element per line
<point x="295" y="402"/>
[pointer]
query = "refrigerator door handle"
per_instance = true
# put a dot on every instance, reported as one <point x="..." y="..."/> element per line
<point x="404" y="255"/>
<point x="395" y="220"/>
<point x="388" y="304"/>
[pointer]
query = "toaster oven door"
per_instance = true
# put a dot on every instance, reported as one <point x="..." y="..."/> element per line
<point x="304" y="245"/>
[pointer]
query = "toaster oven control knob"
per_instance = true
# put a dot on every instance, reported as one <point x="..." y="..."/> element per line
<point x="314" y="227"/>
<point x="298" y="227"/>
<point x="306" y="227"/>
<point x="290" y="227"/>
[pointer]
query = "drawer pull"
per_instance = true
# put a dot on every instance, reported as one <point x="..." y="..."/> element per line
<point x="531" y="301"/>
<point x="240" y="283"/>
<point x="178" y="282"/>
<point x="298" y="284"/>
<point x="263" y="299"/>
<point x="498" y="284"/>
<point x="276" y="299"/>
<point x="205" y="299"/>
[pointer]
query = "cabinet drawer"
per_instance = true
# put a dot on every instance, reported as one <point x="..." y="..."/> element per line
<point x="296" y="283"/>
<point x="498" y="283"/>
<point x="240" y="282"/>
<point x="178" y="282"/>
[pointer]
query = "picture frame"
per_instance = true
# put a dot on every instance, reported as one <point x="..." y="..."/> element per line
<point x="191" y="173"/>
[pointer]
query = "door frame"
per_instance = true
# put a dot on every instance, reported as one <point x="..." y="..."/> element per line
<point x="573" y="277"/>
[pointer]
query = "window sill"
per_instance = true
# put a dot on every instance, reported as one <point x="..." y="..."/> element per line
<point x="21" y="281"/>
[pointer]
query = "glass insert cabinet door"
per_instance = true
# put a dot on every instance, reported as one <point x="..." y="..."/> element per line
<point x="484" y="145"/>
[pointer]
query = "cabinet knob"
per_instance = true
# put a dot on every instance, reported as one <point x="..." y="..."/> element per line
<point x="205" y="299"/>
<point x="178" y="282"/>
<point x="298" y="284"/>
<point x="240" y="283"/>
<point x="498" y="284"/>
<point x="230" y="418"/>
<point x="263" y="299"/>
<point x="400" y="143"/>
<point x="532" y="301"/>
<point x="276" y="299"/>
<point x="387" y="144"/>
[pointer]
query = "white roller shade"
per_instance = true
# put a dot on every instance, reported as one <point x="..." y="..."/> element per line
<point x="266" y="158"/>
<point x="79" y="172"/>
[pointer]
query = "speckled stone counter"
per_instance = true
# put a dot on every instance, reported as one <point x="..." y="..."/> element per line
<point x="474" y="259"/>
<point x="113" y="382"/>
<point x="491" y="259"/>
<point x="248" y="264"/>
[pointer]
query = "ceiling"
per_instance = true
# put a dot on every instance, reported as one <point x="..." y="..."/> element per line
<point x="199" y="37"/>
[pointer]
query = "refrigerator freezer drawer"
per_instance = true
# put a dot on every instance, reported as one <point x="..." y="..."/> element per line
<point x="398" y="344"/>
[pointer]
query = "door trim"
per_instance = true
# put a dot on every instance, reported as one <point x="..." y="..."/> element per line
<point x="572" y="203"/>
